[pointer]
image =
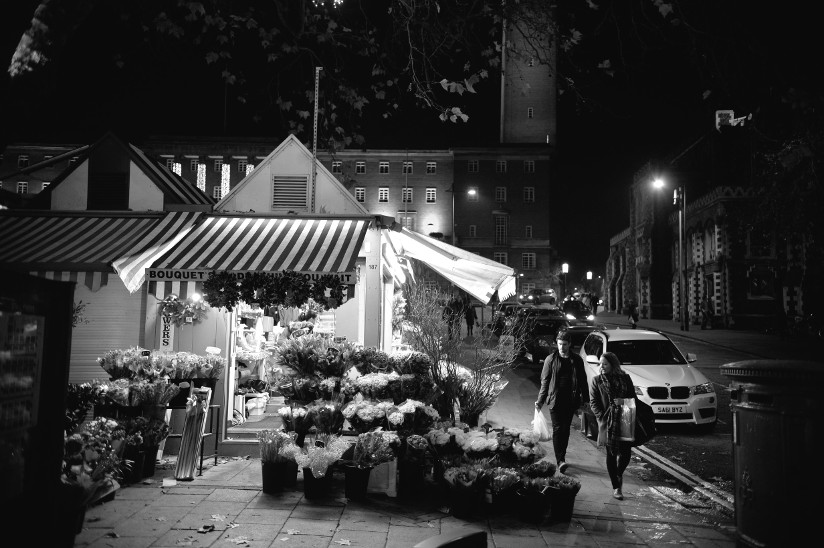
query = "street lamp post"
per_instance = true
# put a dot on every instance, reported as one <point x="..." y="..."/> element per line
<point x="679" y="199"/>
<point x="564" y="269"/>
<point x="453" y="215"/>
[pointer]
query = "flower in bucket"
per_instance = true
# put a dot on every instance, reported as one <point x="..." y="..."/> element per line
<point x="477" y="443"/>
<point x="275" y="445"/>
<point x="90" y="461"/>
<point x="414" y="449"/>
<point x="364" y="414"/>
<point x="155" y="431"/>
<point x="503" y="480"/>
<point x="464" y="477"/>
<point x="540" y="469"/>
<point x="327" y="417"/>
<point x="374" y="448"/>
<point x="375" y="385"/>
<point x="319" y="456"/>
<point x="564" y="483"/>
<point x="294" y="418"/>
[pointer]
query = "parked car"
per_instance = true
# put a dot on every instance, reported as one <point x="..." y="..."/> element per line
<point x="537" y="329"/>
<point x="538" y="296"/>
<point x="578" y="312"/>
<point x="662" y="375"/>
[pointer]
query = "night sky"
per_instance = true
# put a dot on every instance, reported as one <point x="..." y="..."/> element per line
<point x="659" y="107"/>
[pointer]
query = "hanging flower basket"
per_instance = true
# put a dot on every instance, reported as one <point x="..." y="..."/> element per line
<point x="182" y="312"/>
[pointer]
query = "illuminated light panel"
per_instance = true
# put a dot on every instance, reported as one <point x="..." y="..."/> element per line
<point x="224" y="180"/>
<point x="249" y="168"/>
<point x="201" y="177"/>
<point x="177" y="167"/>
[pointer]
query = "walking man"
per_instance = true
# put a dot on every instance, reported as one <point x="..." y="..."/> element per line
<point x="564" y="390"/>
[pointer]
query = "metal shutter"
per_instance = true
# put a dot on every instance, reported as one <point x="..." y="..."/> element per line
<point x="290" y="193"/>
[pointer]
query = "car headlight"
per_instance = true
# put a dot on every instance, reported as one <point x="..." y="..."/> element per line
<point x="570" y="316"/>
<point x="639" y="390"/>
<point x="590" y="317"/>
<point x="705" y="388"/>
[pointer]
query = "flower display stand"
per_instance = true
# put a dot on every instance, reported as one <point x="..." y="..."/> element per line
<point x="384" y="479"/>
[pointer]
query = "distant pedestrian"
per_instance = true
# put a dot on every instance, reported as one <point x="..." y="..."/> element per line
<point x="611" y="383"/>
<point x="471" y="317"/>
<point x="564" y="390"/>
<point x="634" y="314"/>
<point x="594" y="305"/>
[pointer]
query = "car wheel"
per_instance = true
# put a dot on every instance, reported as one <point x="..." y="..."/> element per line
<point x="707" y="428"/>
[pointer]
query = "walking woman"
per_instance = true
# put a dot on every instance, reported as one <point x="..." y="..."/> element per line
<point x="612" y="383"/>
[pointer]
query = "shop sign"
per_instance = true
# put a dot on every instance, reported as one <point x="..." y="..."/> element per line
<point x="173" y="274"/>
<point x="167" y="334"/>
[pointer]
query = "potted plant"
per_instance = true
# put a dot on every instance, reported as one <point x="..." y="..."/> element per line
<point x="370" y="450"/>
<point x="562" y="491"/>
<point x="277" y="459"/>
<point x="316" y="460"/>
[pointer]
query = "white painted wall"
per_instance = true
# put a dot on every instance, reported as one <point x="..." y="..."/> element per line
<point x="144" y="195"/>
<point x="72" y="194"/>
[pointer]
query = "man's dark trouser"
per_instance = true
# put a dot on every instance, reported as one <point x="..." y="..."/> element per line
<point x="561" y="423"/>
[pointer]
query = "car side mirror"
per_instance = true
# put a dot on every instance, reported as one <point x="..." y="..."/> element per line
<point x="593" y="360"/>
<point x="691" y="357"/>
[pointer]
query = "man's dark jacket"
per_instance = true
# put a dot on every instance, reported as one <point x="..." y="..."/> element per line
<point x="549" y="392"/>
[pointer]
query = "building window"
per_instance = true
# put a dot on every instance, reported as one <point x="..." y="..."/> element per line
<point x="217" y="194"/>
<point x="529" y="166"/>
<point x="73" y="160"/>
<point x="23" y="160"/>
<point x="472" y="194"/>
<point x="528" y="231"/>
<point x="241" y="165"/>
<point x="407" y="221"/>
<point x="501" y="257"/>
<point x="170" y="162"/>
<point x="472" y="166"/>
<point x="430" y="285"/>
<point x="383" y="194"/>
<point x="218" y="165"/>
<point x="500" y="166"/>
<point x="45" y="185"/>
<point x="337" y="166"/>
<point x="407" y="168"/>
<point x="360" y="167"/>
<point x="500" y="193"/>
<point x="527" y="287"/>
<point x="360" y="193"/>
<point x="528" y="261"/>
<point x="501" y="222"/>
<point x="406" y="195"/>
<point x="473" y="231"/>
<point x="431" y="195"/>
<point x="530" y="112"/>
<point x="22" y="187"/>
<point x="47" y="157"/>
<point x="431" y="168"/>
<point x="383" y="167"/>
<point x="193" y="164"/>
<point x="529" y="194"/>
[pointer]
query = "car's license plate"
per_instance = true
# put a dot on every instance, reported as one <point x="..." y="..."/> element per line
<point x="665" y="409"/>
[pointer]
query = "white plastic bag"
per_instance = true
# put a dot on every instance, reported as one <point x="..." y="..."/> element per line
<point x="627" y="418"/>
<point x="540" y="427"/>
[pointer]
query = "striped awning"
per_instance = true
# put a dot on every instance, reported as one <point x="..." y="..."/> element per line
<point x="92" y="280"/>
<point x="84" y="241"/>
<point x="267" y="244"/>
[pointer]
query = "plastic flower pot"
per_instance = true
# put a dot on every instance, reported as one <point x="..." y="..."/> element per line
<point x="314" y="488"/>
<point x="411" y="478"/>
<point x="291" y="475"/>
<point x="150" y="461"/>
<point x="532" y="505"/>
<point x="274" y="476"/>
<point x="356" y="482"/>
<point x="562" y="501"/>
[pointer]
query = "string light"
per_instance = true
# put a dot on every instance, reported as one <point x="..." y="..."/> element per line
<point x="249" y="168"/>
<point x="201" y="177"/>
<point x="225" y="172"/>
<point x="177" y="167"/>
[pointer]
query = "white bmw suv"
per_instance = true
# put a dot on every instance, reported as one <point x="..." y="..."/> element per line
<point x="663" y="377"/>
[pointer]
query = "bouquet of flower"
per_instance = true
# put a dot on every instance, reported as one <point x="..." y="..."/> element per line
<point x="414" y="449"/>
<point x="126" y="364"/>
<point x="518" y="446"/>
<point x="412" y="362"/>
<point x="158" y="393"/>
<point x="376" y="385"/>
<point x="90" y="464"/>
<point x="330" y="388"/>
<point x="154" y="432"/>
<point x="274" y="445"/>
<point x="564" y="483"/>
<point x="374" y="448"/>
<point x="80" y="398"/>
<point x="326" y="450"/>
<point x="503" y="480"/>
<point x="134" y="429"/>
<point x="364" y="415"/>
<point x="442" y="441"/>
<point x="413" y="416"/>
<point x="464" y="477"/>
<point x="116" y="392"/>
<point x="477" y="444"/>
<point x="540" y="469"/>
<point x="534" y="485"/>
<point x="326" y="417"/>
<point x="371" y="360"/>
<point x="294" y="419"/>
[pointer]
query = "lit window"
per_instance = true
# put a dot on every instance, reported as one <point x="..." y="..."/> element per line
<point x="473" y="231"/>
<point x="472" y="194"/>
<point x="193" y="164"/>
<point x="500" y="257"/>
<point x="407" y="221"/>
<point x="217" y="194"/>
<point x="241" y="165"/>
<point x="73" y="160"/>
<point x="360" y="167"/>
<point x="527" y="287"/>
<point x="529" y="166"/>
<point x="383" y="167"/>
<point x="501" y="225"/>
<point x="500" y="166"/>
<point x="218" y="165"/>
<point x="170" y="162"/>
<point x="23" y="160"/>
<point x="407" y="168"/>
<point x="406" y="196"/>
<point x="360" y="193"/>
<point x="431" y="195"/>
<point x="22" y="187"/>
<point x="431" y="168"/>
<point x="45" y="185"/>
<point x="500" y="193"/>
<point x="472" y="166"/>
<point x="383" y="194"/>
<point x="47" y="157"/>
<point x="528" y="261"/>
<point x="529" y="194"/>
<point x="530" y="112"/>
<point x="337" y="166"/>
<point x="528" y="231"/>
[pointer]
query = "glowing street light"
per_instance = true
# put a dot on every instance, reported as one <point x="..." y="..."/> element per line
<point x="565" y="270"/>
<point x="679" y="199"/>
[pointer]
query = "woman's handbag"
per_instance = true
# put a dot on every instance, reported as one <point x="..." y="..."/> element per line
<point x="644" y="423"/>
<point x="626" y="418"/>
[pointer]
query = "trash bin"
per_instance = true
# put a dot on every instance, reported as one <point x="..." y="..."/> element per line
<point x="776" y="445"/>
